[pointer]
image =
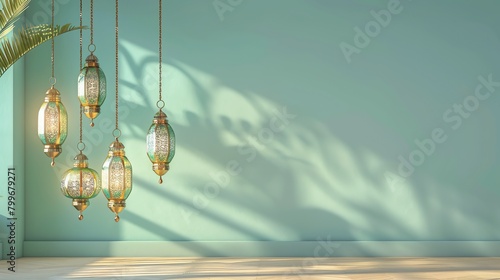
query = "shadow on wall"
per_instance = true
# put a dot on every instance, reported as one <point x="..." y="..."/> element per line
<point x="280" y="139"/>
<point x="329" y="172"/>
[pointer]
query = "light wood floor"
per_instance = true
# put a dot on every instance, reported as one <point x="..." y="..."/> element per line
<point x="253" y="268"/>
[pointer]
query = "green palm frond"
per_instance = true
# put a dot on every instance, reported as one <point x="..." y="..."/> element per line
<point x="11" y="10"/>
<point x="27" y="39"/>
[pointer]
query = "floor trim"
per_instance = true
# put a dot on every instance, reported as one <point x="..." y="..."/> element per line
<point x="320" y="248"/>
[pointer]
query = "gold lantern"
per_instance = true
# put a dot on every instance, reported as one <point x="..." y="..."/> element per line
<point x="116" y="178"/>
<point x="117" y="169"/>
<point x="52" y="116"/>
<point x="160" y="139"/>
<point x="161" y="144"/>
<point x="91" y="88"/>
<point x="80" y="183"/>
<point x="91" y="81"/>
<point x="52" y="123"/>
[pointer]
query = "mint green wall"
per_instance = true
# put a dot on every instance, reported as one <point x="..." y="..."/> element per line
<point x="331" y="170"/>
<point x="19" y="155"/>
<point x="12" y="156"/>
<point x="6" y="160"/>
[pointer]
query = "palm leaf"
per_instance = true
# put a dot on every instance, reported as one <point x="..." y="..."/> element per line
<point x="27" y="39"/>
<point x="11" y="10"/>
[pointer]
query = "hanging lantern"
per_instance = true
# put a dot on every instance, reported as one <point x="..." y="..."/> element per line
<point x="91" y="88"/>
<point x="161" y="144"/>
<point x="80" y="183"/>
<point x="116" y="178"/>
<point x="91" y="81"/>
<point x="52" y="116"/>
<point x="116" y="170"/>
<point x="160" y="140"/>
<point x="52" y="123"/>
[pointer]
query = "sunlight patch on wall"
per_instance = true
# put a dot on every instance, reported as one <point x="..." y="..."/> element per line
<point x="352" y="181"/>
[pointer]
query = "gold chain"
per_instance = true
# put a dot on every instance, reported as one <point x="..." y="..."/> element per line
<point x="81" y="58"/>
<point x="159" y="48"/>
<point x="81" y="34"/>
<point x="116" y="64"/>
<point x="53" y="34"/>
<point x="91" y="22"/>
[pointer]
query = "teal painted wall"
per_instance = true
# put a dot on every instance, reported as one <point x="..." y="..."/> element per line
<point x="18" y="153"/>
<point x="12" y="156"/>
<point x="332" y="169"/>
<point x="6" y="160"/>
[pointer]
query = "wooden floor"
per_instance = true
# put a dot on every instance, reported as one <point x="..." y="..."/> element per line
<point x="253" y="268"/>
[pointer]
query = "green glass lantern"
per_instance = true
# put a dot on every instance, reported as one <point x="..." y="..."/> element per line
<point x="160" y="140"/>
<point x="160" y="144"/>
<point x="91" y="88"/>
<point x="52" y="124"/>
<point x="116" y="178"/>
<point x="117" y="169"/>
<point x="81" y="183"/>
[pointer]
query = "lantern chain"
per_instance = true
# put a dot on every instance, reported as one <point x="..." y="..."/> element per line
<point x="81" y="58"/>
<point x="91" y="22"/>
<point x="160" y="48"/>
<point x="160" y="103"/>
<point x="116" y="65"/>
<point x="81" y="33"/>
<point x="53" y="79"/>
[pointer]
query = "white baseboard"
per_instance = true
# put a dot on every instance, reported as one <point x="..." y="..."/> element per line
<point x="261" y="248"/>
